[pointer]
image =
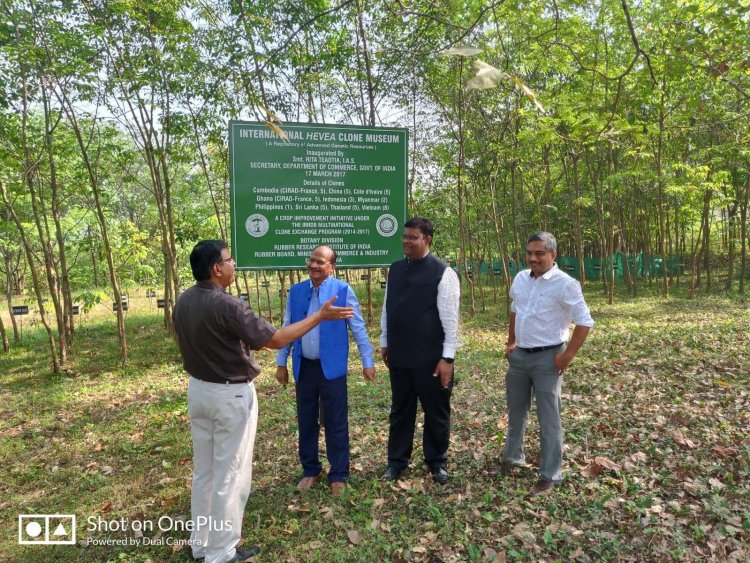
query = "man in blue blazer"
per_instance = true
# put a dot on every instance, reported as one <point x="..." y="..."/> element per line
<point x="319" y="360"/>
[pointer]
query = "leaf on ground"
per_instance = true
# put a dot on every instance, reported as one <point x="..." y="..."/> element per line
<point x="107" y="470"/>
<point x="598" y="465"/>
<point x="693" y="488"/>
<point x="679" y="437"/>
<point x="715" y="483"/>
<point x="607" y="463"/>
<point x="353" y="536"/>
<point x="490" y="554"/>
<point x="592" y="470"/>
<point x="107" y="507"/>
<point x="724" y="453"/>
<point x="612" y="504"/>
<point x="678" y="419"/>
<point x="522" y="532"/>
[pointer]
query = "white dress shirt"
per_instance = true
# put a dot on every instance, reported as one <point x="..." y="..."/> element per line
<point x="448" y="301"/>
<point x="545" y="306"/>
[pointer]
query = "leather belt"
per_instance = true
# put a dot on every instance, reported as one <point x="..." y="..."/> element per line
<point x="540" y="348"/>
<point x="223" y="382"/>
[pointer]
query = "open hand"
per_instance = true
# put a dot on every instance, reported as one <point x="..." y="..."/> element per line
<point x="329" y="312"/>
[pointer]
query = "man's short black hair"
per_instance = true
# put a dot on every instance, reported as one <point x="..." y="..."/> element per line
<point x="203" y="257"/>
<point x="421" y="223"/>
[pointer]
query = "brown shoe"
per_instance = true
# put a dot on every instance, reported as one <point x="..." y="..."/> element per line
<point x="543" y="487"/>
<point x="337" y="487"/>
<point x="308" y="482"/>
<point x="503" y="470"/>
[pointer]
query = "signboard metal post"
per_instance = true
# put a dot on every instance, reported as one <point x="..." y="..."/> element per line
<point x="20" y="311"/>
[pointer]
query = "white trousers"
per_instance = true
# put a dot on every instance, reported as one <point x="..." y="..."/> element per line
<point x="223" y="420"/>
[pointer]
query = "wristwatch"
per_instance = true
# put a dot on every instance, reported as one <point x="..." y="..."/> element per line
<point x="448" y="360"/>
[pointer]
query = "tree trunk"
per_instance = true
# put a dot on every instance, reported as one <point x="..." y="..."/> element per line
<point x="707" y="236"/>
<point x="64" y="318"/>
<point x="577" y="227"/>
<point x="93" y="177"/>
<point x="9" y="296"/>
<point x="731" y="253"/>
<point x="743" y="234"/>
<point x="34" y="277"/>
<point x="661" y="204"/>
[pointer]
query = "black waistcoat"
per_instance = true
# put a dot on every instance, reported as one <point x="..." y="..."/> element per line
<point x="415" y="333"/>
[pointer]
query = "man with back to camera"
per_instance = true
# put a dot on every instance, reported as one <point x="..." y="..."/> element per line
<point x="216" y="333"/>
<point x="320" y="361"/>
<point x="418" y="342"/>
<point x="545" y="301"/>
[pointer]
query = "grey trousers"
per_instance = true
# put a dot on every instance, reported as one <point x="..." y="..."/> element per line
<point x="535" y="373"/>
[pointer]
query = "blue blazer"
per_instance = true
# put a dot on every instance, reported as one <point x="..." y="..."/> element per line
<point x="334" y="338"/>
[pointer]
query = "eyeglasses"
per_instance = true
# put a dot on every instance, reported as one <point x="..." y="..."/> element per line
<point x="230" y="259"/>
<point x="317" y="261"/>
<point x="412" y="237"/>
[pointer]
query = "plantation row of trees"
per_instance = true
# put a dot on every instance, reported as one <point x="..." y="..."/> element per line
<point x="621" y="127"/>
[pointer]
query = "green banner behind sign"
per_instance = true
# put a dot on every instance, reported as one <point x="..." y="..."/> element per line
<point x="342" y="186"/>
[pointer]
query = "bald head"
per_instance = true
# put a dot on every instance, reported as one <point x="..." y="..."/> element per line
<point x="320" y="264"/>
<point x="326" y="251"/>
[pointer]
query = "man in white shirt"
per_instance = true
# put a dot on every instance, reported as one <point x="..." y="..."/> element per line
<point x="418" y="344"/>
<point x="545" y="300"/>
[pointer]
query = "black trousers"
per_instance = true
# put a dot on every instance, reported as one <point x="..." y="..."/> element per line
<point x="407" y="386"/>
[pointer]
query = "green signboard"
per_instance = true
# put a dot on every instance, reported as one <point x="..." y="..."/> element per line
<point x="342" y="186"/>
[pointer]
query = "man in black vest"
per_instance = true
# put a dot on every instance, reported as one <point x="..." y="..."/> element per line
<point x="418" y="344"/>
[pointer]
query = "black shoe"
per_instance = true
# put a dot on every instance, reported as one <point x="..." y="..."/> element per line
<point x="440" y="475"/>
<point x="543" y="487"/>
<point x="241" y="555"/>
<point x="392" y="473"/>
